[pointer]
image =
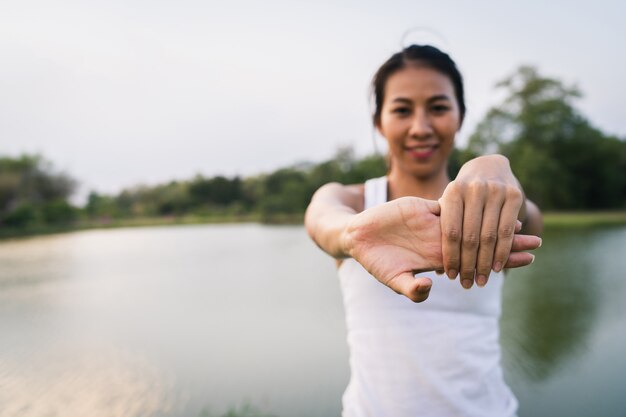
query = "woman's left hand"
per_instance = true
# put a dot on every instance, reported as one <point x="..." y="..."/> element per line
<point x="479" y="212"/>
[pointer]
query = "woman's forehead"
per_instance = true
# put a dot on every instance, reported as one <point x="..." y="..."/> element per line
<point x="418" y="81"/>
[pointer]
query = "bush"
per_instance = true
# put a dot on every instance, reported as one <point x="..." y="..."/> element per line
<point x="23" y="216"/>
<point x="59" y="212"/>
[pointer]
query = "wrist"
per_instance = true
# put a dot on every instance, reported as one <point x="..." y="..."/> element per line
<point x="346" y="237"/>
<point x="487" y="167"/>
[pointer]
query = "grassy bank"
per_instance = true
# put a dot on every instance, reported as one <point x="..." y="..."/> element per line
<point x="584" y="219"/>
<point x="551" y="220"/>
<point x="150" y="221"/>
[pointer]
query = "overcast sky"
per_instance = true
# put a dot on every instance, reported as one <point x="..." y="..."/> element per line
<point x="118" y="93"/>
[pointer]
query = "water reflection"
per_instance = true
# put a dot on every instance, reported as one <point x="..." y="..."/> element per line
<point x="31" y="262"/>
<point x="195" y="316"/>
<point x="551" y="309"/>
<point x="88" y="382"/>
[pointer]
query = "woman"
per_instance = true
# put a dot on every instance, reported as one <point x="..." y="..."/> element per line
<point x="408" y="356"/>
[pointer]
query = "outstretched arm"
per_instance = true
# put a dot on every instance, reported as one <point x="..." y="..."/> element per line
<point x="393" y="241"/>
<point x="327" y="217"/>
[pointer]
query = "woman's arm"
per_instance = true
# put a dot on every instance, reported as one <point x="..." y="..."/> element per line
<point x="327" y="217"/>
<point x="533" y="223"/>
<point x="393" y="241"/>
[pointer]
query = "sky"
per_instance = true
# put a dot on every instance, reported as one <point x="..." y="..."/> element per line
<point x="121" y="93"/>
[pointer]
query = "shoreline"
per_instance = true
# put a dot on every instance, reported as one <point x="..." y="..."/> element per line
<point x="552" y="220"/>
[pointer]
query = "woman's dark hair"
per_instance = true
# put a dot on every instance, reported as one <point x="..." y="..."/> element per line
<point x="423" y="55"/>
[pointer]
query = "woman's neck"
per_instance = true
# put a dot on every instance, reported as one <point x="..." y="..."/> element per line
<point x="403" y="185"/>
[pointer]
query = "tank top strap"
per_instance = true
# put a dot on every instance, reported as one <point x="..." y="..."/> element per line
<point x="375" y="192"/>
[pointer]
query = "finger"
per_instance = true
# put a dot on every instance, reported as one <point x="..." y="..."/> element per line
<point x="488" y="238"/>
<point x="518" y="226"/>
<point x="472" y="222"/>
<point x="415" y="288"/>
<point x="525" y="242"/>
<point x="519" y="259"/>
<point x="451" y="230"/>
<point x="506" y="231"/>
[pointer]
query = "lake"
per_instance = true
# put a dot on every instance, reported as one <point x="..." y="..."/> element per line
<point x="194" y="320"/>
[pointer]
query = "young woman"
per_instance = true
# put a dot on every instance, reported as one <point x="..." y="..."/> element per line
<point x="410" y="356"/>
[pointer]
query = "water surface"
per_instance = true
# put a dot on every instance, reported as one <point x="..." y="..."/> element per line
<point x="175" y="321"/>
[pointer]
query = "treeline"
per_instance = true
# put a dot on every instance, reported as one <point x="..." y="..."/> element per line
<point x="33" y="194"/>
<point x="34" y="197"/>
<point x="562" y="161"/>
<point x="285" y="192"/>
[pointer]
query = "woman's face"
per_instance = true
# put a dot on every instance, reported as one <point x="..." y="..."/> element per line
<point x="419" y="118"/>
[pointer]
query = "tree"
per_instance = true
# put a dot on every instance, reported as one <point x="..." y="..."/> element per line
<point x="32" y="191"/>
<point x="562" y="161"/>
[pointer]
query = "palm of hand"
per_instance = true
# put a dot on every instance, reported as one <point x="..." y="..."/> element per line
<point x="396" y="240"/>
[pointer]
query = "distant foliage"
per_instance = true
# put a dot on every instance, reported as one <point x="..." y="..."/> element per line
<point x="562" y="161"/>
<point x="286" y="191"/>
<point x="33" y="194"/>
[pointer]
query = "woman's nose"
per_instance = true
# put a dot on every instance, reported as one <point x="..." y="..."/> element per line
<point x="420" y="125"/>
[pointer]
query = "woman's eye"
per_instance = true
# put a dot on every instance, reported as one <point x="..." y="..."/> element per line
<point x="402" y="111"/>
<point x="440" y="108"/>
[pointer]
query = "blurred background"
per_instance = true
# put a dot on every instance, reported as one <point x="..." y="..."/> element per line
<point x="220" y="121"/>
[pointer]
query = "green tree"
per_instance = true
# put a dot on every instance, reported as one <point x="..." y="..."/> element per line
<point x="562" y="161"/>
<point x="218" y="190"/>
<point x="285" y="191"/>
<point x="33" y="192"/>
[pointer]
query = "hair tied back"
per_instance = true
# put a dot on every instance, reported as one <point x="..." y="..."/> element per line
<point x="422" y="35"/>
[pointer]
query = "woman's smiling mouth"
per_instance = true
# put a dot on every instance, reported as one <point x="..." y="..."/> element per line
<point x="422" y="151"/>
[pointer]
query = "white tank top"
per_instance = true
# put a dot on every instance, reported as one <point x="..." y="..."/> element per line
<point x="437" y="358"/>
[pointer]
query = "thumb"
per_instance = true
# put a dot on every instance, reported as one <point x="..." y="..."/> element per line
<point x="414" y="288"/>
<point x="433" y="206"/>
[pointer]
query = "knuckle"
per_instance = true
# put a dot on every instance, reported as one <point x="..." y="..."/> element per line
<point x="452" y="263"/>
<point x="488" y="237"/>
<point x="506" y="231"/>
<point x="456" y="186"/>
<point x="514" y="193"/>
<point x="495" y="187"/>
<point x="470" y="241"/>
<point x="452" y="191"/>
<point x="453" y="235"/>
<point x="477" y="187"/>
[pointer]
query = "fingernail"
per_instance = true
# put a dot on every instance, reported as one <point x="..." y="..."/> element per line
<point x="467" y="284"/>
<point x="497" y="266"/>
<point x="532" y="259"/>
<point x="481" y="280"/>
<point x="452" y="274"/>
<point x="540" y="242"/>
